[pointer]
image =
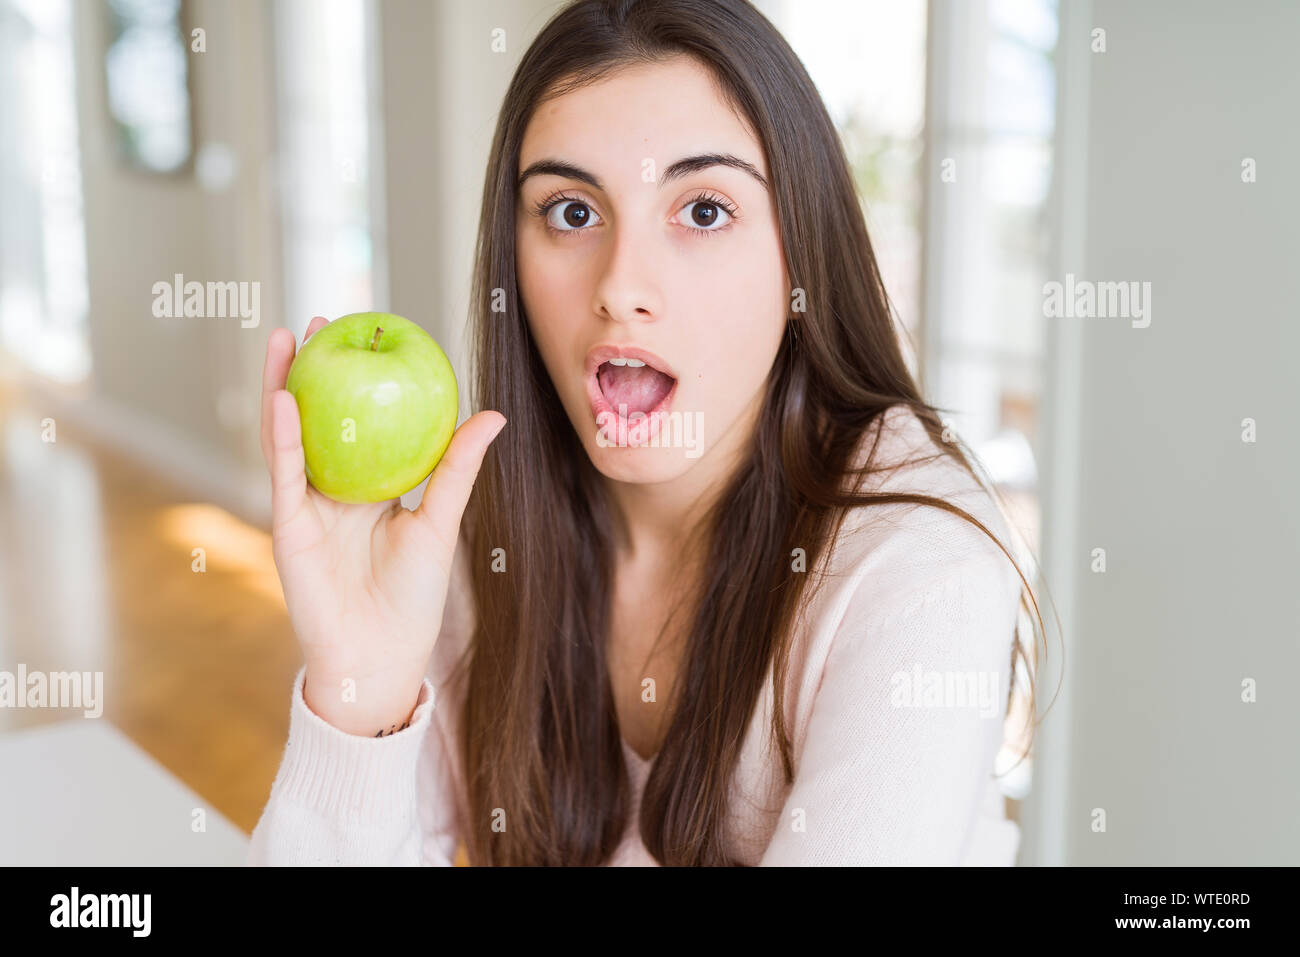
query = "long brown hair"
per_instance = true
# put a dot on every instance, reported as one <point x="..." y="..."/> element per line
<point x="540" y="738"/>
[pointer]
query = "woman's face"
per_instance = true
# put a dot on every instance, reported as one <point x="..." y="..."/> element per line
<point x="678" y="265"/>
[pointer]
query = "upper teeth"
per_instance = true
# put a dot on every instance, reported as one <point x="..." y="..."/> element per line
<point x="634" y="363"/>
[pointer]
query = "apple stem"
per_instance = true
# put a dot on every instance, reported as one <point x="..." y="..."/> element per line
<point x="374" y="343"/>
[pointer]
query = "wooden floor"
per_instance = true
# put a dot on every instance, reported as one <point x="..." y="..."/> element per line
<point x="97" y="574"/>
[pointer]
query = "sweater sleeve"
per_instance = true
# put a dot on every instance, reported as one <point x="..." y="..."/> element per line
<point x="897" y="760"/>
<point x="340" y="798"/>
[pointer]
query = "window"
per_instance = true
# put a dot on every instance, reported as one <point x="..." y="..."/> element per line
<point x="991" y="115"/>
<point x="43" y="284"/>
<point x="329" y="172"/>
<point x="148" y="86"/>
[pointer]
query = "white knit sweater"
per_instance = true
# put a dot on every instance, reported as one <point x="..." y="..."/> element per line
<point x="893" y="763"/>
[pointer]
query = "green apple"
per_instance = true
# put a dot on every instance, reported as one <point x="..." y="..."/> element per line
<point x="378" y="402"/>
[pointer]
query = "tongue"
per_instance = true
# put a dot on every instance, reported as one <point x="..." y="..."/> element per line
<point x="640" y="388"/>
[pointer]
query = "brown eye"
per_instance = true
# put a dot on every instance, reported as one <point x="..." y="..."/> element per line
<point x="706" y="215"/>
<point x="572" y="215"/>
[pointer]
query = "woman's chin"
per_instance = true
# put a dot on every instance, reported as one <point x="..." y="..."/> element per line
<point x="642" y="464"/>
<point x="641" y="448"/>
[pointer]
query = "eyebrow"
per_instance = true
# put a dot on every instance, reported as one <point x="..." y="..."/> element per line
<point x="683" y="167"/>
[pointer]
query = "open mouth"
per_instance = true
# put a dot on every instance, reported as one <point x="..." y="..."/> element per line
<point x="632" y="385"/>
<point x="629" y="393"/>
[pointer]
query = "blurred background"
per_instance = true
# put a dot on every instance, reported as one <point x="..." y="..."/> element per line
<point x="326" y="157"/>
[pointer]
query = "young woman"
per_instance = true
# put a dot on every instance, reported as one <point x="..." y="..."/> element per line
<point x="714" y="592"/>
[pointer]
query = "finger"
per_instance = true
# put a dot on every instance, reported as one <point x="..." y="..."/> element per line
<point x="317" y="323"/>
<point x="447" y="493"/>
<point x="288" y="474"/>
<point x="279" y="356"/>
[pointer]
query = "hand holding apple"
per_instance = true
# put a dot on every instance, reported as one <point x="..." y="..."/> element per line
<point x="378" y="402"/>
<point x="364" y="583"/>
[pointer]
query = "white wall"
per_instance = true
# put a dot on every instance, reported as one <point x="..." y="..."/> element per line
<point x="1201" y="530"/>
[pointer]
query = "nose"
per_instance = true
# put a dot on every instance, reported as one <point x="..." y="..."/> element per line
<point x="628" y="289"/>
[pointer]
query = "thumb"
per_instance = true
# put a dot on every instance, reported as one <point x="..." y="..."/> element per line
<point x="288" y="477"/>
<point x="448" y="490"/>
